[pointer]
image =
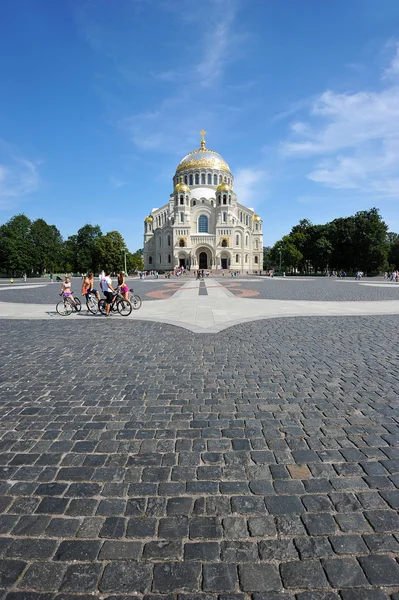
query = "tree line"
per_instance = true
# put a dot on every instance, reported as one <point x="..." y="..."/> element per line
<point x="359" y="242"/>
<point x="35" y="247"/>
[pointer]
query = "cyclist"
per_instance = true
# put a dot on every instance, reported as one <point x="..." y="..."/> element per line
<point x="67" y="291"/>
<point x="88" y="286"/>
<point x="108" y="290"/>
<point x="122" y="285"/>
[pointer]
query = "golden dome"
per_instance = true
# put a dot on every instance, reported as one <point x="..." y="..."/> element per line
<point x="203" y="158"/>
<point x="256" y="218"/>
<point x="149" y="219"/>
<point x="223" y="187"/>
<point x="182" y="187"/>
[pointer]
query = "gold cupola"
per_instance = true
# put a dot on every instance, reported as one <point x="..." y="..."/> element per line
<point x="223" y="187"/>
<point x="149" y="219"/>
<point x="182" y="187"/>
<point x="203" y="158"/>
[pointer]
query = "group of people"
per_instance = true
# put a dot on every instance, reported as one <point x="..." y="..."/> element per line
<point x="105" y="284"/>
<point x="392" y="276"/>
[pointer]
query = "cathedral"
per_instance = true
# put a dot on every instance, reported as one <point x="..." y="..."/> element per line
<point x="203" y="225"/>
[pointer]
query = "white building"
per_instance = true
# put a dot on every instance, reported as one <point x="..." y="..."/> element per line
<point x="203" y="225"/>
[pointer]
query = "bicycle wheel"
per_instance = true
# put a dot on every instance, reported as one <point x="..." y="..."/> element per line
<point x="78" y="305"/>
<point x="124" y="307"/>
<point x="92" y="304"/>
<point x="63" y="308"/>
<point x="102" y="306"/>
<point x="136" y="302"/>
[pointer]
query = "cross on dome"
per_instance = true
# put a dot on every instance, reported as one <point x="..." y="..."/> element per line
<point x="202" y="134"/>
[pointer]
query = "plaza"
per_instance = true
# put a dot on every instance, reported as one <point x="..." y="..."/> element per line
<point x="234" y="439"/>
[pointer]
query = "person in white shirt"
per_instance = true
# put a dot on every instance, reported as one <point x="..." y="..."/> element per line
<point x="108" y="290"/>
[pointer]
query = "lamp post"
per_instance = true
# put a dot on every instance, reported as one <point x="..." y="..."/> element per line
<point x="124" y="252"/>
<point x="280" y="251"/>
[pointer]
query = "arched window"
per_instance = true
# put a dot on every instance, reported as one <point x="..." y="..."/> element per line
<point x="202" y="178"/>
<point x="181" y="217"/>
<point x="219" y="199"/>
<point x="220" y="179"/>
<point x="229" y="199"/>
<point x="225" y="179"/>
<point x="160" y="259"/>
<point x="241" y="216"/>
<point x="169" y="259"/>
<point x="256" y="260"/>
<point x="185" y="179"/>
<point x="191" y="180"/>
<point x="181" y="199"/>
<point x="160" y="241"/>
<point x="237" y="240"/>
<point x="246" y="240"/>
<point x="224" y="217"/>
<point x="150" y="260"/>
<point x="224" y="199"/>
<point x="237" y="258"/>
<point x="246" y="258"/>
<point x="246" y="220"/>
<point x="211" y="202"/>
<point x="194" y="202"/>
<point x="203" y="224"/>
<point x="209" y="179"/>
<point x="196" y="179"/>
<point x="215" y="180"/>
<point x="224" y="243"/>
<point x="256" y="244"/>
<point x="168" y="240"/>
<point x="256" y="226"/>
<point x="181" y="243"/>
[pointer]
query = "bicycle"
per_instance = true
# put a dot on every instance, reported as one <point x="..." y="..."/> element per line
<point x="66" y="306"/>
<point x="118" y="304"/>
<point x="134" y="299"/>
<point x="92" y="303"/>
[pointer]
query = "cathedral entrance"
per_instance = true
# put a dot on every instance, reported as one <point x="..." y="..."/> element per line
<point x="203" y="260"/>
<point x="223" y="263"/>
<point x="182" y="262"/>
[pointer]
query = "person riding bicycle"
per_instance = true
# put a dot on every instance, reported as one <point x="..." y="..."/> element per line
<point x="108" y="291"/>
<point x="122" y="285"/>
<point x="88" y="286"/>
<point x="66" y="290"/>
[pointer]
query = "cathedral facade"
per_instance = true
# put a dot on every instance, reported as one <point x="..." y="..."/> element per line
<point x="203" y="225"/>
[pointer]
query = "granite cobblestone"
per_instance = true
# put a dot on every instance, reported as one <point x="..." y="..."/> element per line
<point x="256" y="464"/>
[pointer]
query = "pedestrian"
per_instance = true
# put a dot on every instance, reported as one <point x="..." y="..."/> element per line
<point x="108" y="291"/>
<point x="51" y="278"/>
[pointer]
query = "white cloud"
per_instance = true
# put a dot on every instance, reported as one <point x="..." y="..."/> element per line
<point x="352" y="139"/>
<point x="117" y="182"/>
<point x="18" y="175"/>
<point x="249" y="185"/>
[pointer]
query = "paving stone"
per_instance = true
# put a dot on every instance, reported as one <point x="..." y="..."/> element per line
<point x="117" y="550"/>
<point x="259" y="578"/>
<point x="348" y="544"/>
<point x="81" y="578"/>
<point x="380" y="570"/>
<point x="363" y="594"/>
<point x="313" y="547"/>
<point x="382" y="542"/>
<point x="131" y="577"/>
<point x="220" y="577"/>
<point x="307" y="574"/>
<point x="277" y="550"/>
<point x="141" y="528"/>
<point x="260" y="527"/>
<point x="205" y="528"/>
<point x="344" y="572"/>
<point x="234" y="552"/>
<point x="171" y="577"/>
<point x="202" y="551"/>
<point x="46" y="576"/>
<point x="77" y="550"/>
<point x="10" y="570"/>
<point x="352" y="523"/>
<point x="383" y="520"/>
<point x="163" y="550"/>
<point x="284" y="505"/>
<point x="319" y="523"/>
<point x="31" y="549"/>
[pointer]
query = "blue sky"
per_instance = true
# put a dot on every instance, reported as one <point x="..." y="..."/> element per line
<point x="100" y="100"/>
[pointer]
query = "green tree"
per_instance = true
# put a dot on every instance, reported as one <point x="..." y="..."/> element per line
<point x="15" y="246"/>
<point x="135" y="261"/>
<point x="46" y="243"/>
<point x="87" y="239"/>
<point x="110" y="250"/>
<point x="393" y="256"/>
<point x="267" y="261"/>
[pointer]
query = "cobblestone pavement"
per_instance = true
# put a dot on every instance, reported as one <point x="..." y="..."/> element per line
<point x="261" y="463"/>
<point x="46" y="293"/>
<point x="322" y="289"/>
